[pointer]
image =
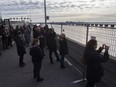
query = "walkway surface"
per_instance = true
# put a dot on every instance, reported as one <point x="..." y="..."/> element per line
<point x="11" y="75"/>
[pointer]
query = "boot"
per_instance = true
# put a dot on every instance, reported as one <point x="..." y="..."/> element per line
<point x="40" y="79"/>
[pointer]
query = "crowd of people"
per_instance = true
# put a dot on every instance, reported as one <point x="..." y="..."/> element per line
<point x="42" y="37"/>
<point x="9" y="35"/>
<point x="45" y="37"/>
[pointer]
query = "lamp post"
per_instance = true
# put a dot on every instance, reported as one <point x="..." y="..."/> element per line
<point x="45" y="12"/>
<point x="30" y="15"/>
<point x="0" y="15"/>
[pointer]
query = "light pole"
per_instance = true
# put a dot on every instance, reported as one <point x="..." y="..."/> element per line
<point x="0" y="15"/>
<point x="30" y="15"/>
<point x="45" y="12"/>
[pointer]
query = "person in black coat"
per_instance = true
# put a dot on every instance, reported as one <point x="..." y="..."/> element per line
<point x="11" y="37"/>
<point x="94" y="62"/>
<point x="20" y="44"/>
<point x="37" y="57"/>
<point x="36" y="32"/>
<point x="52" y="45"/>
<point x="63" y="48"/>
<point x="5" y="36"/>
<point x="42" y="43"/>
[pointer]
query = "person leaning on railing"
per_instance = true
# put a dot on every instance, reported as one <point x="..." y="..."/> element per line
<point x="94" y="62"/>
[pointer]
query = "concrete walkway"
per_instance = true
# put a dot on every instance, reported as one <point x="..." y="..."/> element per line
<point x="11" y="75"/>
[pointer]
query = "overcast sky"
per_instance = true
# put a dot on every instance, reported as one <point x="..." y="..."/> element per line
<point x="60" y="10"/>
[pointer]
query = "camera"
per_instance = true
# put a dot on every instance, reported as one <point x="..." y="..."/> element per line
<point x="106" y="47"/>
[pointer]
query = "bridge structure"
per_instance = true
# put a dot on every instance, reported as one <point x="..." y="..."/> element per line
<point x="11" y="75"/>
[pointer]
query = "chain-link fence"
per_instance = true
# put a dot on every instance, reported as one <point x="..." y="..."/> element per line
<point x="82" y="34"/>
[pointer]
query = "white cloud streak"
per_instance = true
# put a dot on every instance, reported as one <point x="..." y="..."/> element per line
<point x="57" y="9"/>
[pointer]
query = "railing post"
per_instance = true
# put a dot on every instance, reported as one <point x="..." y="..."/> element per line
<point x="51" y="25"/>
<point x="87" y="33"/>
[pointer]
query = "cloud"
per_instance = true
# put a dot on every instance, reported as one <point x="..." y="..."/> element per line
<point x="14" y="13"/>
<point x="64" y="8"/>
<point x="85" y="17"/>
<point x="14" y="6"/>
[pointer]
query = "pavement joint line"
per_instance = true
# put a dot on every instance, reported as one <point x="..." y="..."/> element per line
<point x="69" y="63"/>
<point x="78" y="81"/>
<point x="73" y="66"/>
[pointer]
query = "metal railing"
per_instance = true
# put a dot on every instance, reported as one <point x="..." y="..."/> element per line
<point x="82" y="34"/>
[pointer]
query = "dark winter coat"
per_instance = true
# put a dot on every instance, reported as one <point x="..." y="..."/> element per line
<point x="63" y="46"/>
<point x="52" y="45"/>
<point x="1" y="30"/>
<point x="27" y="34"/>
<point x="5" y="35"/>
<point x="42" y="41"/>
<point x="94" y="61"/>
<point x="20" y="43"/>
<point x="36" y="34"/>
<point x="36" y="54"/>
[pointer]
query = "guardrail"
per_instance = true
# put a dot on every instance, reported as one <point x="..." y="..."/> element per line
<point x="76" y="51"/>
<point x="78" y="36"/>
<point x="82" y="33"/>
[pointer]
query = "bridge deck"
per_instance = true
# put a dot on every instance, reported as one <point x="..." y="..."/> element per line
<point x="11" y="75"/>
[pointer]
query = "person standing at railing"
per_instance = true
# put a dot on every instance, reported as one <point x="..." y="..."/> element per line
<point x="63" y="48"/>
<point x="94" y="62"/>
<point x="52" y="45"/>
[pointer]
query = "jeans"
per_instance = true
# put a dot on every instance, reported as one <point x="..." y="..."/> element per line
<point x="37" y="68"/>
<point x="50" y="54"/>
<point x="62" y="60"/>
<point x="21" y="60"/>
